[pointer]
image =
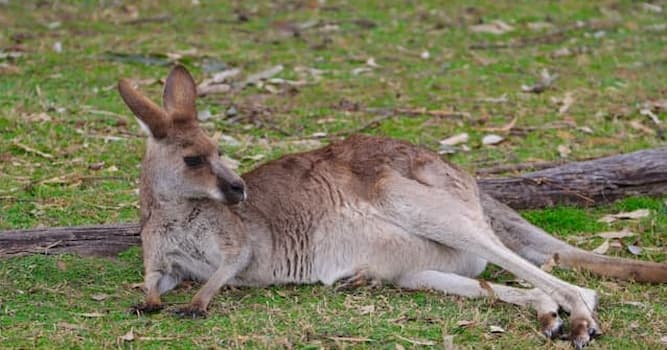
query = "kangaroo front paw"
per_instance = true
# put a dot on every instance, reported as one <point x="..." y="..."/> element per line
<point x="360" y="279"/>
<point x="551" y="324"/>
<point x="145" y="308"/>
<point x="190" y="312"/>
<point x="584" y="329"/>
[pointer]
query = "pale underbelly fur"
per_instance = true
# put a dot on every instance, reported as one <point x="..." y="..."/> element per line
<point x="356" y="239"/>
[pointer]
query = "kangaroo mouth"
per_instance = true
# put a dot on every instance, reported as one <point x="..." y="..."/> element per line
<point x="233" y="192"/>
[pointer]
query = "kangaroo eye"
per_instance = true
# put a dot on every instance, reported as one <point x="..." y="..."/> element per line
<point x="193" y="161"/>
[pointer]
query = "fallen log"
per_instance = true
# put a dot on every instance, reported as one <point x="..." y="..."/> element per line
<point x="591" y="182"/>
<point x="598" y="181"/>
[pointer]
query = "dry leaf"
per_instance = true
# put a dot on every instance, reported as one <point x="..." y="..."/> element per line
<point x="361" y="70"/>
<point x="603" y="248"/>
<point x="367" y="309"/>
<point x="456" y="139"/>
<point x="664" y="340"/>
<point x="648" y="7"/>
<point x="566" y="102"/>
<point x="539" y="26"/>
<point x="635" y="303"/>
<point x="564" y="151"/>
<point x="505" y="128"/>
<point x="70" y="326"/>
<point x="416" y="341"/>
<point x="448" y="342"/>
<point x="636" y="214"/>
<point x="616" y="234"/>
<point x="99" y="297"/>
<point x="637" y="125"/>
<point x="91" y="314"/>
<point x="129" y="336"/>
<point x="496" y="27"/>
<point x="496" y="329"/>
<point x="263" y="75"/>
<point x="492" y="139"/>
<point x="399" y="347"/>
<point x="464" y="323"/>
<point x="546" y="80"/>
<point x="635" y="250"/>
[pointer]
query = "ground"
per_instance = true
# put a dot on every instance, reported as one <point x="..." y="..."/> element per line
<point x="418" y="71"/>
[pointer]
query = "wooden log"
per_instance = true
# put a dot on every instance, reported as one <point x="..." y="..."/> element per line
<point x="579" y="183"/>
<point x="99" y="240"/>
<point x="603" y="180"/>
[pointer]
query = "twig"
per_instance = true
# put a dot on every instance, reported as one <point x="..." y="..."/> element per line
<point x="32" y="150"/>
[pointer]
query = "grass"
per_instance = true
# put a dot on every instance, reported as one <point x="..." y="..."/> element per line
<point x="70" y="151"/>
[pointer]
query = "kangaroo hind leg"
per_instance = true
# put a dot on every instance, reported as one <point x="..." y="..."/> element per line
<point x="452" y="284"/>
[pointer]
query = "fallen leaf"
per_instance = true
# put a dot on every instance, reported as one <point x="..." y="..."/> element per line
<point x="636" y="214"/>
<point x="635" y="303"/>
<point x="562" y="52"/>
<point x="585" y="129"/>
<point x="263" y="75"/>
<point x="204" y="115"/>
<point x="129" y="336"/>
<point x="566" y="102"/>
<point x="367" y="309"/>
<point x="546" y="80"/>
<point x="416" y="341"/>
<point x="361" y="70"/>
<point x="156" y="338"/>
<point x="540" y="26"/>
<point x="464" y="323"/>
<point x="425" y="55"/>
<point x="91" y="314"/>
<point x="456" y="139"/>
<point x="497" y="27"/>
<point x="399" y="347"/>
<point x="62" y="266"/>
<point x="635" y="250"/>
<point x="496" y="329"/>
<point x="99" y="297"/>
<point x="448" y="342"/>
<point x="70" y="326"/>
<point x="505" y="128"/>
<point x="564" y="151"/>
<point x="664" y="340"/>
<point x="648" y="7"/>
<point x="616" y="234"/>
<point x="639" y="126"/>
<point x="603" y="248"/>
<point x="492" y="139"/>
<point x="371" y="63"/>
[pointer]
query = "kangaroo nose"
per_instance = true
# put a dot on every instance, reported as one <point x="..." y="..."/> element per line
<point x="237" y="187"/>
<point x="235" y="191"/>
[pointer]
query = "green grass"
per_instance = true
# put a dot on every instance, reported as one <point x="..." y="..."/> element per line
<point x="64" y="105"/>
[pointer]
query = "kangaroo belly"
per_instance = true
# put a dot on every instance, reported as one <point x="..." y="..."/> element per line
<point x="364" y="239"/>
<point x="189" y="256"/>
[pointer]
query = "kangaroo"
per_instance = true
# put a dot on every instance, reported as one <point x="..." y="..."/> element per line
<point x="365" y="208"/>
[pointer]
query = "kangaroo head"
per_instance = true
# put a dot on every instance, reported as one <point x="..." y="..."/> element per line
<point x="181" y="160"/>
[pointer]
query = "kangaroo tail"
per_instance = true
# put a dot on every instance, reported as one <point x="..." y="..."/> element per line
<point x="537" y="246"/>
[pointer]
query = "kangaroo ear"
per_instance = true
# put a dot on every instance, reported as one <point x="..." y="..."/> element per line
<point x="179" y="95"/>
<point x="150" y="115"/>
